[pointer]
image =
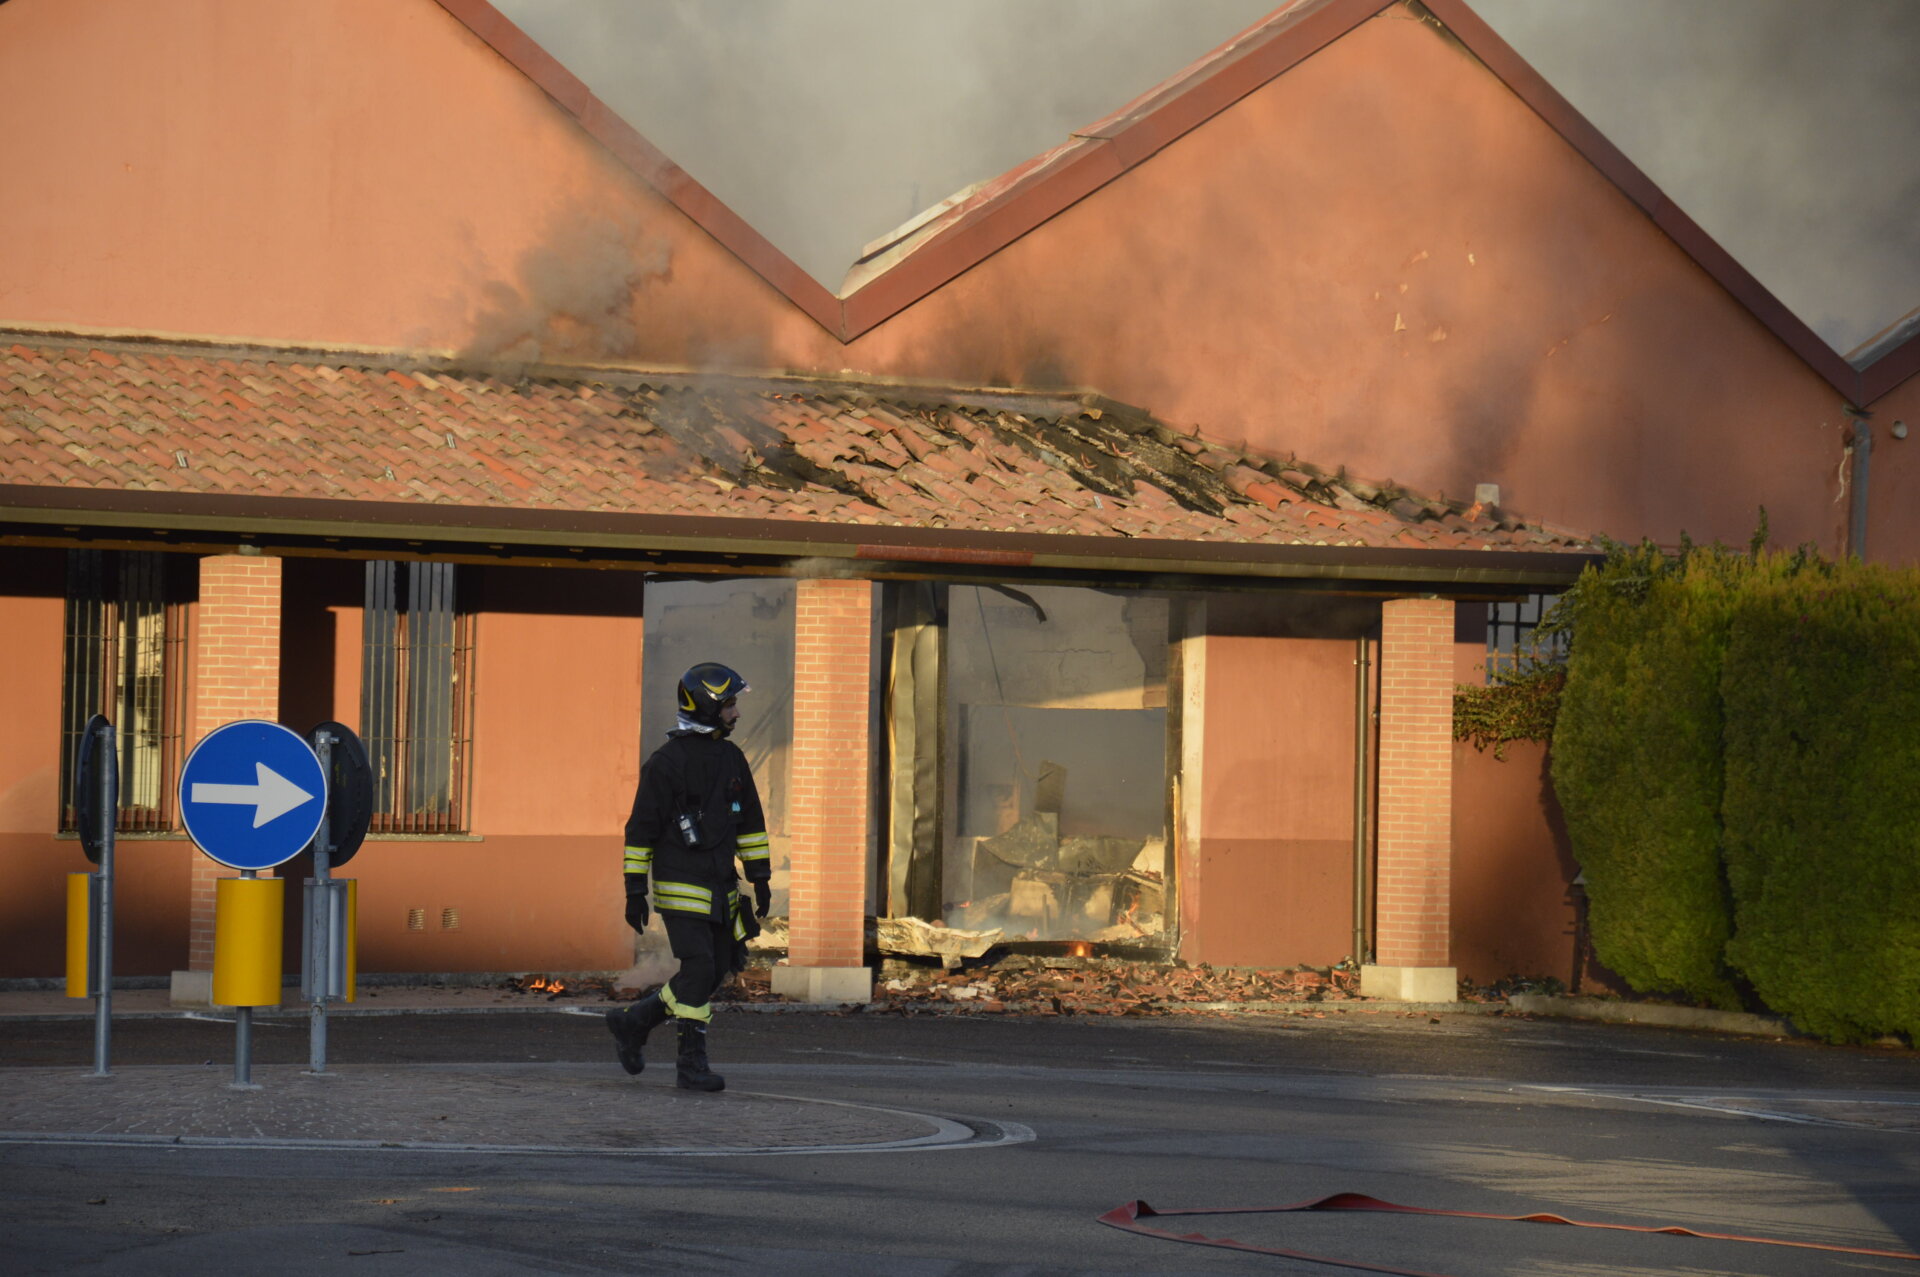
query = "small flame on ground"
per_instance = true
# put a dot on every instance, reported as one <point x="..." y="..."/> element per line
<point x="540" y="984"/>
<point x="1080" y="948"/>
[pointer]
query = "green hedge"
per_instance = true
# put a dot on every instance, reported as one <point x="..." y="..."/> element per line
<point x="1821" y="683"/>
<point x="1637" y="765"/>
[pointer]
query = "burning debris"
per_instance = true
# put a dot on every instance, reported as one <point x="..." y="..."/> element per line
<point x="556" y="987"/>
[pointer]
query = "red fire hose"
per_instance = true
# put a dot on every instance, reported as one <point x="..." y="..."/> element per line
<point x="1127" y="1218"/>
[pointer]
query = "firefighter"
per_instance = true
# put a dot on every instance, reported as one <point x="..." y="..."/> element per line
<point x="696" y="809"/>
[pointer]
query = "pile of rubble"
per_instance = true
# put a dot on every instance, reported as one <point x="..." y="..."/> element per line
<point x="1018" y="984"/>
<point x="1032" y="881"/>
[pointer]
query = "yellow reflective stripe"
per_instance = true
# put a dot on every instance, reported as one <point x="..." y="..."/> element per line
<point x="754" y="847"/>
<point x="683" y="897"/>
<point x="639" y="859"/>
<point x="703" y="1012"/>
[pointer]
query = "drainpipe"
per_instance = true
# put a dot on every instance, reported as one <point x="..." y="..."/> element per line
<point x="1862" y="458"/>
<point x="1362" y="731"/>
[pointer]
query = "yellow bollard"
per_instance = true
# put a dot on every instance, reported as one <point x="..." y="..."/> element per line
<point x="80" y="918"/>
<point x="246" y="941"/>
<point x="353" y="940"/>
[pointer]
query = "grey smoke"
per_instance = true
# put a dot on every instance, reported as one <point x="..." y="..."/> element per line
<point x="572" y="298"/>
<point x="1787" y="128"/>
<point x="826" y="125"/>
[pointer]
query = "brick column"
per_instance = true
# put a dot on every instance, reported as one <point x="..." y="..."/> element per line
<point x="829" y="805"/>
<point x="1413" y="933"/>
<point x="235" y="674"/>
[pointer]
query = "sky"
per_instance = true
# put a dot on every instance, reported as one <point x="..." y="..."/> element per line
<point x="1789" y="129"/>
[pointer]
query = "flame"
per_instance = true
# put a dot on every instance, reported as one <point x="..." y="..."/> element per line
<point x="540" y="984"/>
<point x="1079" y="948"/>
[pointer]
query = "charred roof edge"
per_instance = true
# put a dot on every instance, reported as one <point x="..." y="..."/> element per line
<point x="86" y="508"/>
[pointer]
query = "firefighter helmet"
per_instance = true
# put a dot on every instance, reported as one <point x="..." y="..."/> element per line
<point x="705" y="688"/>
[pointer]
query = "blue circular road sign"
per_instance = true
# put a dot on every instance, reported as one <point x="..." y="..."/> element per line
<point x="252" y="794"/>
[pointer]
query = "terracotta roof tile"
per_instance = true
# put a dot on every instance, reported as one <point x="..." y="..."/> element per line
<point x="310" y="425"/>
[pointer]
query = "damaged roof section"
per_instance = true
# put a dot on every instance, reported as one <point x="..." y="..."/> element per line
<point x="155" y="418"/>
<point x="1047" y="463"/>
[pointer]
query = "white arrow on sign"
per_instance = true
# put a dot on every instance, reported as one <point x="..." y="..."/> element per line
<point x="271" y="797"/>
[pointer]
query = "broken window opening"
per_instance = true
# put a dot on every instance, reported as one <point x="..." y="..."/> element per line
<point x="1050" y="789"/>
<point x="745" y="623"/>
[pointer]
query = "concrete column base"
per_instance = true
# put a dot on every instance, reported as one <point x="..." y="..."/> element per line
<point x="824" y="984"/>
<point x="1410" y="984"/>
<point x="192" y="990"/>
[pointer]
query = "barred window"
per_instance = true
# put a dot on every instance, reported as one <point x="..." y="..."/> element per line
<point x="1513" y="634"/>
<point x="416" y="697"/>
<point x="125" y="657"/>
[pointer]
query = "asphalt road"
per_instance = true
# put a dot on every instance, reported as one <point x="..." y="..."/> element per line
<point x="1503" y="1115"/>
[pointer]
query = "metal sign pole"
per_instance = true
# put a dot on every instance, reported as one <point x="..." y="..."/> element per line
<point x="319" y="920"/>
<point x="103" y="922"/>
<point x="243" y="1032"/>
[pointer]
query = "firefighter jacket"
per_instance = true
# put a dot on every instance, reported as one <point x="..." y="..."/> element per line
<point x="695" y="809"/>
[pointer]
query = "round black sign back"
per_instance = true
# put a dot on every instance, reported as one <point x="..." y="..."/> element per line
<point x="96" y="752"/>
<point x="349" y="791"/>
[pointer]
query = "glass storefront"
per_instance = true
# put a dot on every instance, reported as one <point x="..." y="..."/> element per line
<point x="1051" y="769"/>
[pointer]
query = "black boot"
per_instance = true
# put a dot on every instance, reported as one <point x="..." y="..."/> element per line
<point x="630" y="1027"/>
<point x="694" y="1073"/>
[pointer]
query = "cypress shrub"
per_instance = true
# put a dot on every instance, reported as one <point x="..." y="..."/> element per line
<point x="1637" y="764"/>
<point x="1821" y="686"/>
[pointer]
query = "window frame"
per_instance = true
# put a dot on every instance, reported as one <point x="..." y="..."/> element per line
<point x="416" y="696"/>
<point x="1513" y="641"/>
<point x="125" y="619"/>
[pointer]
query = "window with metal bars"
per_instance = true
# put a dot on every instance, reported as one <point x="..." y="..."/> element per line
<point x="125" y="657"/>
<point x="1513" y="639"/>
<point x="416" y="697"/>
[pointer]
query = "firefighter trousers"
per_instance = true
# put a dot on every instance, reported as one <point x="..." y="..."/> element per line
<point x="707" y="953"/>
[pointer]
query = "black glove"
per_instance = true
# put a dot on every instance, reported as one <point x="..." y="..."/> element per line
<point x="637" y="913"/>
<point x="762" y="899"/>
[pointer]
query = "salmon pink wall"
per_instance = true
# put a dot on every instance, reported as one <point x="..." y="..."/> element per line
<point x="1893" y="509"/>
<point x="520" y="904"/>
<point x="360" y="172"/>
<point x="32" y="616"/>
<point x="1268" y="881"/>
<point x="557" y="720"/>
<point x="1513" y="908"/>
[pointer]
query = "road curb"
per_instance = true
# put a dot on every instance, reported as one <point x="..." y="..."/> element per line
<point x="1660" y="1014"/>
<point x="1604" y="1010"/>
